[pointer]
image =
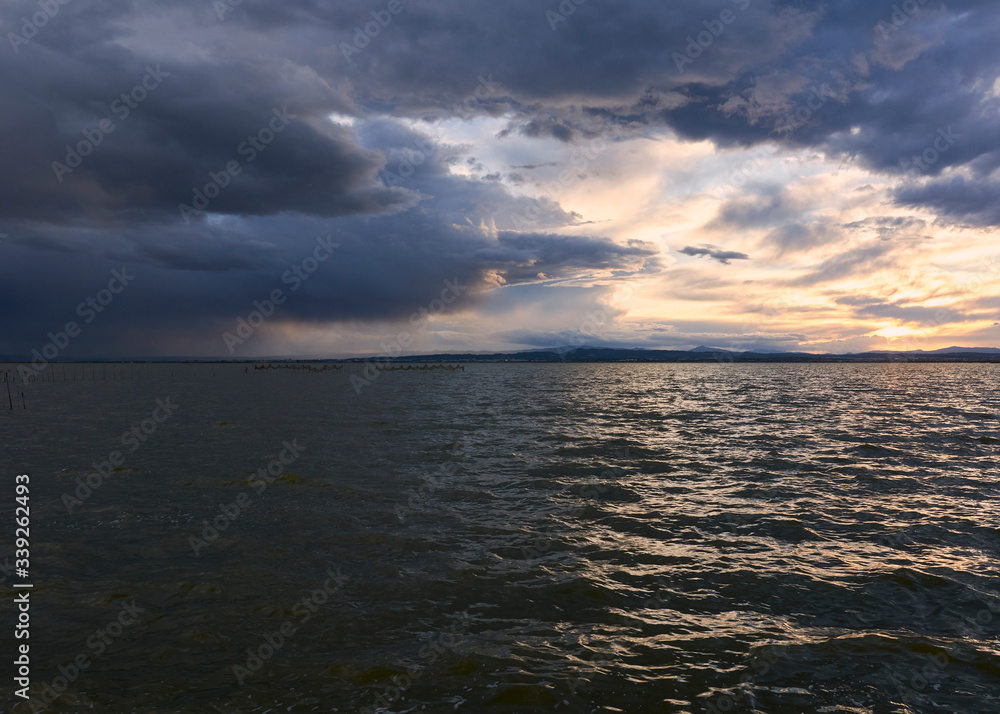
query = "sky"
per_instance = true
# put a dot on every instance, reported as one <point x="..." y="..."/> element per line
<point x="226" y="178"/>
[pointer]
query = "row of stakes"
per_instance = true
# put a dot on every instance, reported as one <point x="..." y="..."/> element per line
<point x="378" y="367"/>
<point x="10" y="399"/>
<point x="80" y="373"/>
<point x="123" y="373"/>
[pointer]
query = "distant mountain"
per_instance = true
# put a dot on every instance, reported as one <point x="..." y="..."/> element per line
<point x="698" y="354"/>
<point x="719" y="350"/>
<point x="940" y="352"/>
<point x="952" y="350"/>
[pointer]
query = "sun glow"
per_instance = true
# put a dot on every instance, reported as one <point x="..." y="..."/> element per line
<point x="895" y="332"/>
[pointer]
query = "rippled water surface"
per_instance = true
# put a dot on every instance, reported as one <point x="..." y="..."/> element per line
<point x="514" y="538"/>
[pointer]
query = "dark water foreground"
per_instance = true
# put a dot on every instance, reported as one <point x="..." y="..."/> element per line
<point x="512" y="538"/>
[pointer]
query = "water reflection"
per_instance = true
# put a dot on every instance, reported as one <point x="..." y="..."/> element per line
<point x="638" y="538"/>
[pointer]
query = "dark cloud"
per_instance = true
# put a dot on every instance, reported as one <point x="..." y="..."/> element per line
<point x="715" y="253"/>
<point x="103" y="132"/>
<point x="192" y="286"/>
<point x="796" y="72"/>
<point x="539" y="127"/>
<point x="767" y="206"/>
<point x="956" y="200"/>
<point x="800" y="73"/>
<point x="526" y="256"/>
<point x="918" y="103"/>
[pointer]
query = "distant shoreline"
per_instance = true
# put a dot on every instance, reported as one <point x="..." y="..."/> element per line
<point x="592" y="356"/>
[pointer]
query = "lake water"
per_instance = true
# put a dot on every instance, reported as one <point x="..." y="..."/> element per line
<point x="511" y="538"/>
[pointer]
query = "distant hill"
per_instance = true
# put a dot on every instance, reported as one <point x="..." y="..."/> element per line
<point x="700" y="354"/>
<point x="614" y="354"/>
<point x="946" y="350"/>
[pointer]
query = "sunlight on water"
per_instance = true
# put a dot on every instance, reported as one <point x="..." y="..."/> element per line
<point x="520" y="538"/>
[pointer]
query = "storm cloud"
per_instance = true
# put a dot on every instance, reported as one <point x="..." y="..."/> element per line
<point x="207" y="146"/>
